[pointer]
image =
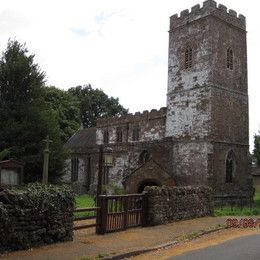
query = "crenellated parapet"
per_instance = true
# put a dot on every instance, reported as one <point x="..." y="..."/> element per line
<point x="133" y="118"/>
<point x="209" y="7"/>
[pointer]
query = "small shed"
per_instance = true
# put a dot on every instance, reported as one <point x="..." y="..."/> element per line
<point x="11" y="172"/>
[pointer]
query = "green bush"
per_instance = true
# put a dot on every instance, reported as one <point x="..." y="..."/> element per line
<point x="34" y="215"/>
<point x="44" y="197"/>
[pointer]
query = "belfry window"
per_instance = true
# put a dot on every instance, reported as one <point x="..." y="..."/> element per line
<point x="188" y="58"/>
<point x="229" y="59"/>
<point x="230" y="167"/>
<point x="136" y="133"/>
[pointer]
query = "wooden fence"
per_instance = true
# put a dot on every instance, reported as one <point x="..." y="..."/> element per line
<point x="88" y="225"/>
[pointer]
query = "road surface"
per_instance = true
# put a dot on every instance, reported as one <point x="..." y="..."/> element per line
<point x="246" y="247"/>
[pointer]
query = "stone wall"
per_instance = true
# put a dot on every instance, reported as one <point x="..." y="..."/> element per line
<point x="209" y="8"/>
<point x="151" y="126"/>
<point x="127" y="161"/>
<point x="207" y="102"/>
<point x="79" y="185"/>
<point x="166" y="204"/>
<point x="35" y="216"/>
<point x="190" y="162"/>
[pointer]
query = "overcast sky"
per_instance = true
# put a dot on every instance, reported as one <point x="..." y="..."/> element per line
<point x="120" y="46"/>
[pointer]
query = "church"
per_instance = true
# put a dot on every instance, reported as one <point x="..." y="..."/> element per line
<point x="201" y="137"/>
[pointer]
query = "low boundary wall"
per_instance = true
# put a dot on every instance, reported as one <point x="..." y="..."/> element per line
<point x="166" y="204"/>
<point x="37" y="215"/>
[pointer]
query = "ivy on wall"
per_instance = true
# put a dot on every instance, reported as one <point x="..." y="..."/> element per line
<point x="35" y="215"/>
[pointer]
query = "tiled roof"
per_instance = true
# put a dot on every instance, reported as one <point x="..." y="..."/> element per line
<point x="82" y="138"/>
<point x="11" y="161"/>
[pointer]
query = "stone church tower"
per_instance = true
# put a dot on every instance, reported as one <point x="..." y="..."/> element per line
<point x="207" y="97"/>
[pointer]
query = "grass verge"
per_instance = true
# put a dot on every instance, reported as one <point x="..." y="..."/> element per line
<point x="245" y="211"/>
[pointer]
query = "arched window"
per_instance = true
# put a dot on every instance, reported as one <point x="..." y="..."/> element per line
<point x="136" y="133"/>
<point x="230" y="167"/>
<point x="230" y="59"/>
<point x="119" y="135"/>
<point x="74" y="169"/>
<point x="144" y="156"/>
<point x="106" y="137"/>
<point x="188" y="57"/>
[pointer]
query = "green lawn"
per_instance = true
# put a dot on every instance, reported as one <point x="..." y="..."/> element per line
<point x="84" y="201"/>
<point x="237" y="211"/>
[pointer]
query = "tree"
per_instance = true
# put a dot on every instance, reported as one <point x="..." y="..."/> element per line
<point x="4" y="153"/>
<point x="21" y="80"/>
<point x="94" y="104"/>
<point x="25" y="118"/>
<point x="257" y="148"/>
<point x="66" y="108"/>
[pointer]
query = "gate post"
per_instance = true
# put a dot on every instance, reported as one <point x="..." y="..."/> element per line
<point x="125" y="200"/>
<point x="99" y="215"/>
<point x="144" y="210"/>
<point x="102" y="215"/>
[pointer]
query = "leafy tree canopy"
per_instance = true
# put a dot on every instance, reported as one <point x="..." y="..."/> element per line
<point x="66" y="108"/>
<point x="21" y="80"/>
<point x="94" y="104"/>
<point x="25" y="118"/>
<point x="4" y="153"/>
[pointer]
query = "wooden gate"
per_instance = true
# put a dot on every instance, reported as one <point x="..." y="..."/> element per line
<point x="119" y="212"/>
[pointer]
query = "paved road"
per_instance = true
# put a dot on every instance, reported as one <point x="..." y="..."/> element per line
<point x="242" y="248"/>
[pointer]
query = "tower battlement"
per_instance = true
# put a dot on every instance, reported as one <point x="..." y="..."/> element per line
<point x="138" y="116"/>
<point x="209" y="7"/>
